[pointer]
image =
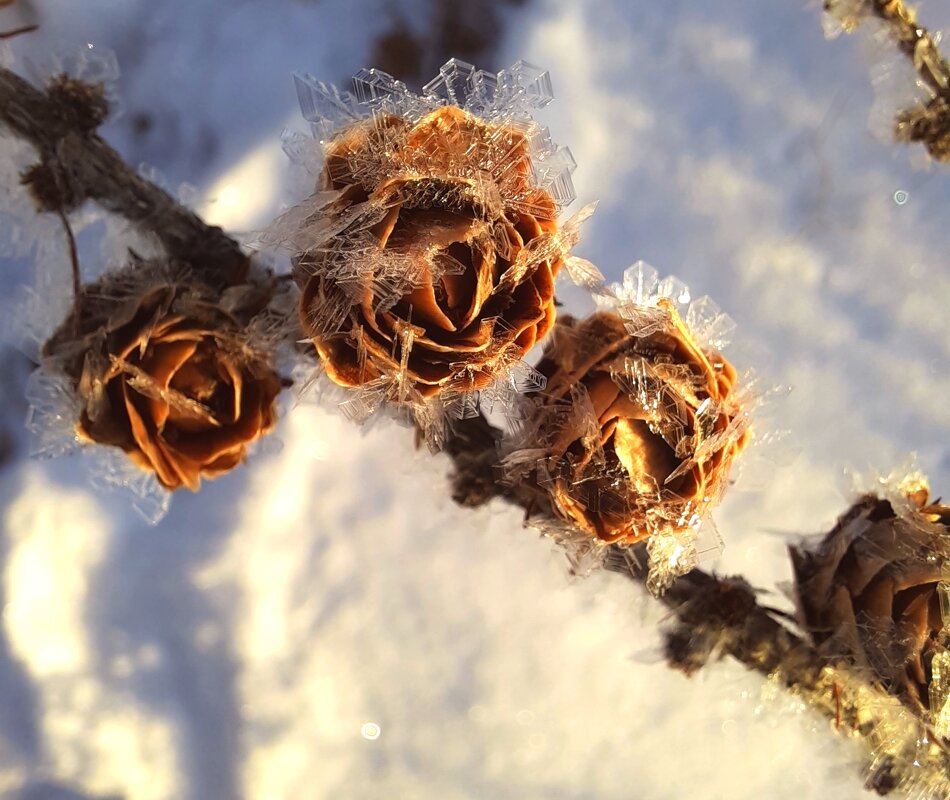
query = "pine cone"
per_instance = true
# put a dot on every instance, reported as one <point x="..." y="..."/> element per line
<point x="639" y="431"/>
<point x="163" y="372"/>
<point x="432" y="256"/>
<point x="867" y="592"/>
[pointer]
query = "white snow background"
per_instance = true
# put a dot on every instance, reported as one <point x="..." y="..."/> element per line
<point x="323" y="622"/>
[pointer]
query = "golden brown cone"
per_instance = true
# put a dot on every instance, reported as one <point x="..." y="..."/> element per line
<point x="867" y="592"/>
<point x="165" y="376"/>
<point x="460" y="208"/>
<point x="635" y="461"/>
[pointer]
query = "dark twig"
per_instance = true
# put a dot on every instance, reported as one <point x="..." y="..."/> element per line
<point x="74" y="262"/>
<point x="18" y="31"/>
<point x="64" y="135"/>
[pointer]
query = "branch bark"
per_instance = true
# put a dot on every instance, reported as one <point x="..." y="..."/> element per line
<point x="93" y="170"/>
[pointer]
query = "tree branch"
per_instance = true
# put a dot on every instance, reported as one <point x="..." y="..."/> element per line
<point x="716" y="616"/>
<point x="62" y="128"/>
<point x="927" y="123"/>
<point x="713" y="616"/>
<point x="916" y="42"/>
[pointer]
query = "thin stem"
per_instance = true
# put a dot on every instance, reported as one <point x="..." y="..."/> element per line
<point x="18" y="31"/>
<point x="74" y="262"/>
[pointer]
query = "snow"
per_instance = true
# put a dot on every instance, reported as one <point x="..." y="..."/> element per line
<point x="247" y="645"/>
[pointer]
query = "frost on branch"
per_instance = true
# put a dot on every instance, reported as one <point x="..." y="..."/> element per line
<point x="427" y="253"/>
<point x="922" y="86"/>
<point x="635" y="434"/>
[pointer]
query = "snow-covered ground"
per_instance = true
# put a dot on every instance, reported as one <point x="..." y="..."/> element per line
<point x="323" y="623"/>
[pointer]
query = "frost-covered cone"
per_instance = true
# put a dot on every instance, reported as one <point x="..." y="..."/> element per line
<point x="636" y="432"/>
<point x="869" y="592"/>
<point x="163" y="368"/>
<point x="427" y="255"/>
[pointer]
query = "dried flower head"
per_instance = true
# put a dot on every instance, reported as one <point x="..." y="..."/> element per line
<point x="636" y="431"/>
<point x="869" y="592"/>
<point x="427" y="256"/>
<point x="164" y="371"/>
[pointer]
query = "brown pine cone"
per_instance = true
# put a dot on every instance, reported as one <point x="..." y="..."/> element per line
<point x="163" y="371"/>
<point x="867" y="592"/>
<point x="432" y="259"/>
<point x="647" y="444"/>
